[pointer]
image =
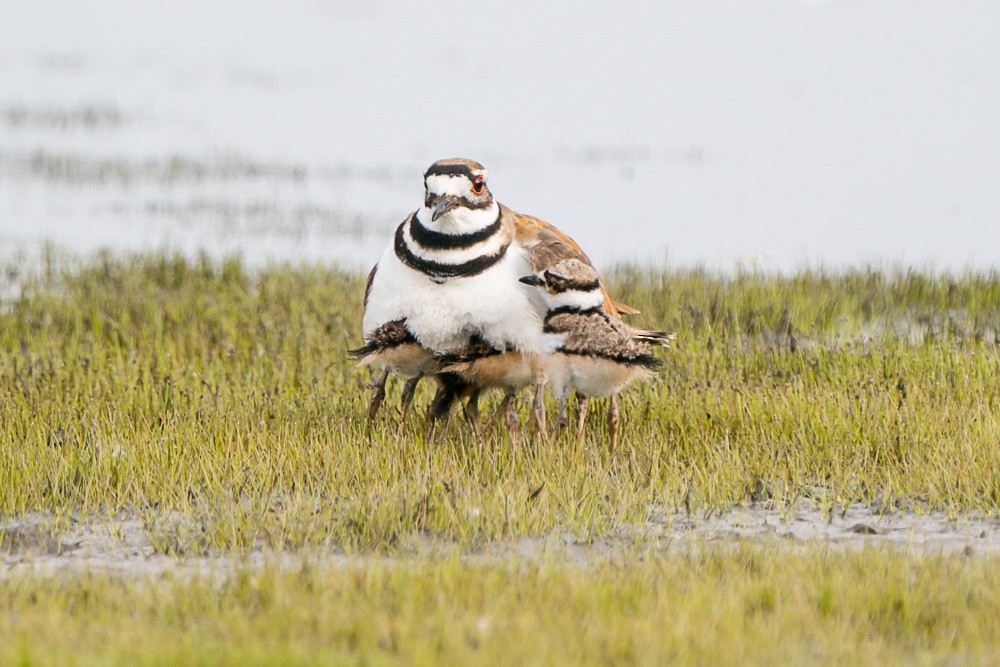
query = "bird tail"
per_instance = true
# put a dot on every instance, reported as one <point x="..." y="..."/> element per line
<point x="663" y="338"/>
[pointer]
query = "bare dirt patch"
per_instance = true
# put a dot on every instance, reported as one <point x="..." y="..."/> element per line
<point x="37" y="543"/>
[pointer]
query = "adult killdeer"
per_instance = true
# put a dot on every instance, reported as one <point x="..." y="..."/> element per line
<point x="449" y="277"/>
<point x="445" y="297"/>
<point x="586" y="346"/>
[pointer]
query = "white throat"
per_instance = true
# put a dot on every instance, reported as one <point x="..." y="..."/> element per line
<point x="575" y="299"/>
<point x="460" y="220"/>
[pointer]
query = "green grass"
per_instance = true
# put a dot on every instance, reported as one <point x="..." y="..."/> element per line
<point x="735" y="606"/>
<point x="221" y="406"/>
<point x="218" y="405"/>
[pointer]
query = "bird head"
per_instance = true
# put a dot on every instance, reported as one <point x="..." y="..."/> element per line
<point x="570" y="282"/>
<point x="454" y="188"/>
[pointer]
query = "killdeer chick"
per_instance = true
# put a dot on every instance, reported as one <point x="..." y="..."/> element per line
<point x="588" y="347"/>
<point x="486" y="367"/>
<point x="392" y="347"/>
<point x="448" y="278"/>
<point x="482" y="367"/>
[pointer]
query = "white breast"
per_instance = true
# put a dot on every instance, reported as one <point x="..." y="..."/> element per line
<point x="493" y="304"/>
<point x="597" y="377"/>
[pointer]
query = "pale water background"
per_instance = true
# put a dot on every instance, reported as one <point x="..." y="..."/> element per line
<point x="776" y="133"/>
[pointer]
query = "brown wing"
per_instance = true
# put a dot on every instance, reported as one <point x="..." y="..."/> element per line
<point x="548" y="252"/>
<point x="549" y="245"/>
<point x="529" y="230"/>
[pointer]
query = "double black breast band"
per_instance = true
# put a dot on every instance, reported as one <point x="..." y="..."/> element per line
<point x="439" y="271"/>
<point x="432" y="240"/>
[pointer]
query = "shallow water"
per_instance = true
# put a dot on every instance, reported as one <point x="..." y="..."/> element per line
<point x="775" y="134"/>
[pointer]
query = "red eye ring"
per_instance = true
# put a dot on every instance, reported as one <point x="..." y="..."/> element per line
<point x="478" y="185"/>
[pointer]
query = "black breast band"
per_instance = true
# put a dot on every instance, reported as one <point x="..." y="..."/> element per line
<point x="438" y="271"/>
<point x="432" y="240"/>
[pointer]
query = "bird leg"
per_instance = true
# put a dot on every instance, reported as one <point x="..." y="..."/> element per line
<point x="440" y="405"/>
<point x="614" y="416"/>
<point x="406" y="398"/>
<point x="508" y="409"/>
<point x="581" y="418"/>
<point x="561" y="421"/>
<point x="377" y="386"/>
<point x="472" y="412"/>
<point x="538" y="412"/>
<point x="449" y="390"/>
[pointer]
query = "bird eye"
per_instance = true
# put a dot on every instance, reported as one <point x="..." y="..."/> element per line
<point x="478" y="185"/>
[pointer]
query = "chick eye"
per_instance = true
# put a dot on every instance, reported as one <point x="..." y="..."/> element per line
<point x="478" y="185"/>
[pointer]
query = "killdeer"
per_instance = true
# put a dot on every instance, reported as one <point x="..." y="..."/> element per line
<point x="484" y="367"/>
<point x="392" y="347"/>
<point x="449" y="274"/>
<point x="445" y="297"/>
<point x="586" y="346"/>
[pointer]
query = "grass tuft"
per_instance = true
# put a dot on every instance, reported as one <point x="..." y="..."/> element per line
<point x="219" y="404"/>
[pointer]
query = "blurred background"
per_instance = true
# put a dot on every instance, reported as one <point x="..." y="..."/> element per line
<point x="776" y="134"/>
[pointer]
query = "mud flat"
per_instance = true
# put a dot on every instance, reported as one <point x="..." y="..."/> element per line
<point x="124" y="545"/>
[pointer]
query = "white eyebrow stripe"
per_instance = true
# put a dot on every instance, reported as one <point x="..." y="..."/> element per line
<point x="447" y="184"/>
